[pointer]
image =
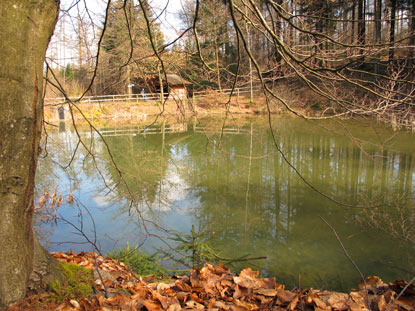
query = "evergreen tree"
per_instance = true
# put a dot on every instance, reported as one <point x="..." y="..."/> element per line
<point x="127" y="51"/>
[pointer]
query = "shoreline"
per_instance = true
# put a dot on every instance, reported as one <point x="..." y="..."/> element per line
<point x="144" y="110"/>
<point x="215" y="288"/>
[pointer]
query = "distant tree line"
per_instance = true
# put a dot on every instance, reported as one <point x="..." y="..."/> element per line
<point x="328" y="34"/>
<point x="356" y="55"/>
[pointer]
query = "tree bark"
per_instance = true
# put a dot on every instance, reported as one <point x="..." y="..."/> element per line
<point x="378" y="21"/>
<point x="353" y="21"/>
<point x="26" y="28"/>
<point x="392" y="30"/>
<point x="378" y="30"/>
<point x="361" y="25"/>
<point x="412" y="38"/>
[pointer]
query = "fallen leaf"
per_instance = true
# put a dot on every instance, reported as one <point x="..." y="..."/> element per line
<point x="293" y="303"/>
<point x="64" y="307"/>
<point x="165" y="301"/>
<point x="399" y="285"/>
<point x="338" y="301"/>
<point x="219" y="304"/>
<point x="270" y="283"/>
<point x="266" y="292"/>
<point x="407" y="303"/>
<point x="74" y="303"/>
<point x="195" y="305"/>
<point x="319" y="303"/>
<point x="162" y="286"/>
<point x="380" y="302"/>
<point x="183" y="286"/>
<point x="285" y="297"/>
<point x="244" y="282"/>
<point x="174" y="307"/>
<point x="241" y="292"/>
<point x="151" y="305"/>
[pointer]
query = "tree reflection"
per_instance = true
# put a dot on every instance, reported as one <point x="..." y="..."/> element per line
<point x="241" y="191"/>
<point x="281" y="218"/>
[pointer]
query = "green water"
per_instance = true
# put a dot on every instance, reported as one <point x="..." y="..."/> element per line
<point x="237" y="187"/>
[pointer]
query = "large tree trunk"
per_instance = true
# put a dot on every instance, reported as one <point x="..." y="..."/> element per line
<point x="26" y="28"/>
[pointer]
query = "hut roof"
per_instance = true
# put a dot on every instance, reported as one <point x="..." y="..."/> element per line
<point x="173" y="79"/>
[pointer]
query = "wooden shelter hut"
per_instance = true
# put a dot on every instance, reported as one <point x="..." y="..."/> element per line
<point x="175" y="87"/>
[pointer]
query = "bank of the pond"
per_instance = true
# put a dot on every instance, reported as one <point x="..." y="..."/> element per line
<point x="115" y="287"/>
<point x="297" y="95"/>
<point x="143" y="110"/>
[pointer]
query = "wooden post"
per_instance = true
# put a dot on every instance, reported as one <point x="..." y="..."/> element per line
<point x="194" y="246"/>
<point x="161" y="85"/>
<point x="194" y="101"/>
<point x="394" y="122"/>
<point x="163" y="136"/>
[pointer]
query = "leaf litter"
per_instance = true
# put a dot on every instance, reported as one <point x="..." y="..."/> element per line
<point x="215" y="288"/>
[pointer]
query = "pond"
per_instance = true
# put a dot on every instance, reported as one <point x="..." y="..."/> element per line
<point x="230" y="181"/>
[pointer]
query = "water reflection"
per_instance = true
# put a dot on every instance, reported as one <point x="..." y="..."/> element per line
<point x="234" y="184"/>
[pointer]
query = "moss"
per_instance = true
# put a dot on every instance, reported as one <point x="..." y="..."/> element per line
<point x="77" y="283"/>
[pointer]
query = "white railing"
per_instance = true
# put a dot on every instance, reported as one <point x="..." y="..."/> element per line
<point x="236" y="92"/>
<point x="105" y="98"/>
<point x="167" y="129"/>
<point x="143" y="130"/>
<point x="219" y="130"/>
<point x="53" y="101"/>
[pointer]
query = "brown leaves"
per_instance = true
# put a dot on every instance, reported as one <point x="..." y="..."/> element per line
<point x="48" y="204"/>
<point x="215" y="288"/>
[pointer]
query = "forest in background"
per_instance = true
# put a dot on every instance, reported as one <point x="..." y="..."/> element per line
<point x="323" y="47"/>
<point x="356" y="55"/>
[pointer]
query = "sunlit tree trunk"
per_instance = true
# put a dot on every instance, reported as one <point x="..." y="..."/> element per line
<point x="217" y="56"/>
<point x="412" y="38"/>
<point x="378" y="28"/>
<point x="26" y="28"/>
<point x="361" y="25"/>
<point x="378" y="18"/>
<point x="353" y="21"/>
<point x="392" y="30"/>
<point x="251" y="94"/>
<point x="345" y="16"/>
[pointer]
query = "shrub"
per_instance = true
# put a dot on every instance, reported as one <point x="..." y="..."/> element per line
<point x="138" y="261"/>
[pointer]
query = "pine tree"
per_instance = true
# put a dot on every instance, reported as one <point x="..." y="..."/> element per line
<point x="127" y="51"/>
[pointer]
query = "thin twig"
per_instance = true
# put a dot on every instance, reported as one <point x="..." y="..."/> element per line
<point x="100" y="277"/>
<point x="351" y="260"/>
<point x="400" y="294"/>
